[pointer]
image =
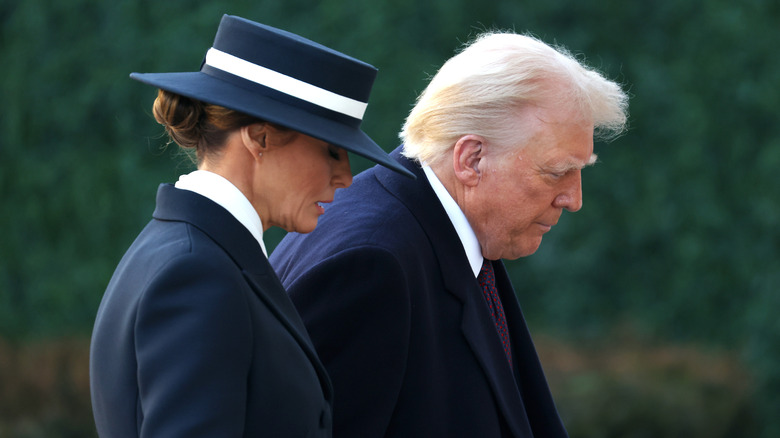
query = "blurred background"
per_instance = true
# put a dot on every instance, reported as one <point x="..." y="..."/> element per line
<point x="654" y="308"/>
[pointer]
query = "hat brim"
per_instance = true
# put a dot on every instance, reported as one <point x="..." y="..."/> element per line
<point x="200" y="86"/>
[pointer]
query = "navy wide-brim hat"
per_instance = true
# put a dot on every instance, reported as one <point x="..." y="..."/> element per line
<point x="282" y="78"/>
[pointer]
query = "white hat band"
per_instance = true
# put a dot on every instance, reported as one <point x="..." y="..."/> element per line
<point x="285" y="84"/>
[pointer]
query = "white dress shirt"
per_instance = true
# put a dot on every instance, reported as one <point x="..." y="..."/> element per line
<point x="224" y="193"/>
<point x="459" y="221"/>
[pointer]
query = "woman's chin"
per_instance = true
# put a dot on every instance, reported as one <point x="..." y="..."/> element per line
<point x="304" y="228"/>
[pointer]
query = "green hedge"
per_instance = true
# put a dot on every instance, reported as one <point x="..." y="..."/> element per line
<point x="678" y="238"/>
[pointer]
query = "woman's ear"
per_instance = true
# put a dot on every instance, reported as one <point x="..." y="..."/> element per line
<point x="466" y="159"/>
<point x="253" y="138"/>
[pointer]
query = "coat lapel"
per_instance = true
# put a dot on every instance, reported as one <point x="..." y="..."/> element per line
<point x="477" y="325"/>
<point x="480" y="332"/>
<point x="182" y="205"/>
<point x="270" y="290"/>
<point x="540" y="407"/>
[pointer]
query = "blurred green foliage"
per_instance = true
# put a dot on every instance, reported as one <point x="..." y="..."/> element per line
<point x="678" y="239"/>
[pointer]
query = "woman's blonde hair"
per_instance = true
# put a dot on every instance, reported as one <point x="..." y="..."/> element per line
<point x="481" y="89"/>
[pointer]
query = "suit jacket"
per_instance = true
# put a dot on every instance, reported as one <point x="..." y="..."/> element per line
<point x="384" y="287"/>
<point x="196" y="337"/>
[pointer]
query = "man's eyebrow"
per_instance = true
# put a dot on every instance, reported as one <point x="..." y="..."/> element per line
<point x="567" y="165"/>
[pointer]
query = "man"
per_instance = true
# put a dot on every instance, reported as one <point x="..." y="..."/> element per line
<point x="401" y="285"/>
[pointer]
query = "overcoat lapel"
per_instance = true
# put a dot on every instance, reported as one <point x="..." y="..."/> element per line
<point x="477" y="325"/>
<point x="182" y="205"/>
<point x="541" y="409"/>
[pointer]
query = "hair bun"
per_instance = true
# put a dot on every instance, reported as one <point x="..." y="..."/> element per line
<point x="181" y="117"/>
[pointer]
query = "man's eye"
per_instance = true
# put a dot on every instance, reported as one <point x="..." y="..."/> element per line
<point x="334" y="153"/>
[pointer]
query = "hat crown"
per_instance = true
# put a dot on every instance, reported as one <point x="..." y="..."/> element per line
<point x="296" y="57"/>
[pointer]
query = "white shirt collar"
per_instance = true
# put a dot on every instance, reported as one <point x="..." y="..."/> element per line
<point x="459" y="221"/>
<point x="224" y="193"/>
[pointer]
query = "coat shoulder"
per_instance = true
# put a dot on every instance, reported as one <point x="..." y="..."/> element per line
<point x="364" y="216"/>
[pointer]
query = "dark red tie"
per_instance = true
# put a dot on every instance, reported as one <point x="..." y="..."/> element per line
<point x="487" y="279"/>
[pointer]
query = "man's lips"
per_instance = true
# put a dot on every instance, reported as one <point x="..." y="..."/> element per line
<point x="546" y="226"/>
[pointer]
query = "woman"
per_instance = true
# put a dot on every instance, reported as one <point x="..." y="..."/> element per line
<point x="195" y="335"/>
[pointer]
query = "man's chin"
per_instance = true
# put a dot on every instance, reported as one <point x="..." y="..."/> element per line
<point x="529" y="247"/>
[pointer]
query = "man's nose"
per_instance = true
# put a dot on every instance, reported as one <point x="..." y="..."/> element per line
<point x="571" y="197"/>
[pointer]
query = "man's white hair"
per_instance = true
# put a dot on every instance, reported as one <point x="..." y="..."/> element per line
<point x="481" y="89"/>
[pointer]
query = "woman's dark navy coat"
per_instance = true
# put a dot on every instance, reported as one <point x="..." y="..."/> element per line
<point x="196" y="337"/>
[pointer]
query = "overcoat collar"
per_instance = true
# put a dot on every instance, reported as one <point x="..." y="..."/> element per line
<point x="185" y="206"/>
<point x="459" y="280"/>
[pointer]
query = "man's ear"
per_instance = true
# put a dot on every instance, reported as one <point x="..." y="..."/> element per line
<point x="466" y="159"/>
